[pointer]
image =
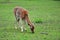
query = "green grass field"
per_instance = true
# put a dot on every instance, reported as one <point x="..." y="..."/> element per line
<point x="44" y="14"/>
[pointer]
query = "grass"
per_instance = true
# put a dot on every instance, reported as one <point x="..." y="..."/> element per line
<point x="47" y="12"/>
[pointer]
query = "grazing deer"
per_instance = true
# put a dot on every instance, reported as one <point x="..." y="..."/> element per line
<point x="22" y="18"/>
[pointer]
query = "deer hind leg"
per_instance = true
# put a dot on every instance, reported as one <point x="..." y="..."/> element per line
<point x="17" y="16"/>
<point x="17" y="21"/>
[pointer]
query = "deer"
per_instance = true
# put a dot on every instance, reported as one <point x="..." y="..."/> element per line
<point x="22" y="18"/>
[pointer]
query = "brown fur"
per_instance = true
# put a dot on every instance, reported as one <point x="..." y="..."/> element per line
<point x="23" y="13"/>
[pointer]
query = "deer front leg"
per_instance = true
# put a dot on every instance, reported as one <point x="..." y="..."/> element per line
<point x="21" y="24"/>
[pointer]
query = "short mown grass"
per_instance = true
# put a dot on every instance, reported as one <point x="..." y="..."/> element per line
<point x="44" y="14"/>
